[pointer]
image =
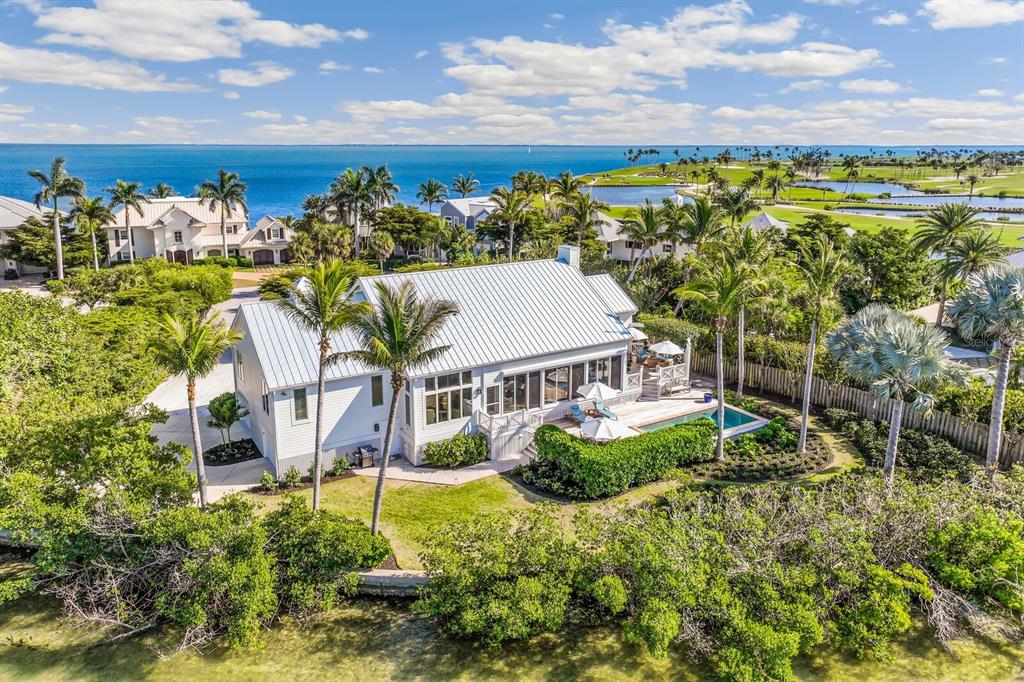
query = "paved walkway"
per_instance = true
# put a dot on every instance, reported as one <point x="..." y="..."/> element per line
<point x="401" y="470"/>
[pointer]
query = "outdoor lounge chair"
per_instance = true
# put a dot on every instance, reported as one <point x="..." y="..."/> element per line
<point x="642" y="355"/>
<point x="576" y="413"/>
<point x="603" y="409"/>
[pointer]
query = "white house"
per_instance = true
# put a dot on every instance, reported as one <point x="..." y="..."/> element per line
<point x="467" y="211"/>
<point x="268" y="242"/>
<point x="527" y="335"/>
<point x="622" y="249"/>
<point x="179" y="229"/>
<point x="14" y="212"/>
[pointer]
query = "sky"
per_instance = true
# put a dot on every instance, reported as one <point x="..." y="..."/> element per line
<point x="525" y="72"/>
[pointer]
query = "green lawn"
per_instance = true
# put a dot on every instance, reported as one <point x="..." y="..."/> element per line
<point x="1012" y="184"/>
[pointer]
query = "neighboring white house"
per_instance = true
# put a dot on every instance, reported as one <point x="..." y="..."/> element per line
<point x="467" y="211"/>
<point x="762" y="221"/>
<point x="622" y="249"/>
<point x="526" y="336"/>
<point x="179" y="229"/>
<point x="267" y="243"/>
<point x="14" y="212"/>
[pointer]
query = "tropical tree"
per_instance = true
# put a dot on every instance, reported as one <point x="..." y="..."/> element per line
<point x="584" y="214"/>
<point x="192" y="347"/>
<point x="397" y="334"/>
<point x="382" y="188"/>
<point x="717" y="291"/>
<point x="993" y="308"/>
<point x="940" y="228"/>
<point x="320" y="303"/>
<point x="225" y="412"/>
<point x="791" y="177"/>
<point x="642" y="226"/>
<point x="749" y="252"/>
<point x="350" y="194"/>
<point x="53" y="186"/>
<point x="465" y="185"/>
<point x="160" y="190"/>
<point x="563" y="188"/>
<point x="758" y="177"/>
<point x="226" y="192"/>
<point x="380" y="247"/>
<point x="704" y="222"/>
<point x="972" y="254"/>
<point x="318" y="241"/>
<point x="90" y="215"/>
<point x="511" y="208"/>
<point x="774" y="184"/>
<point x="736" y="203"/>
<point x="822" y="268"/>
<point x="900" y="359"/>
<point x="431" y="192"/>
<point x="129" y="196"/>
<point x="314" y="206"/>
<point x="972" y="180"/>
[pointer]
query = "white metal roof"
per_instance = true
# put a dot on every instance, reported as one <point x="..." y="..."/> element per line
<point x="471" y="206"/>
<point x="13" y="212"/>
<point x="154" y="209"/>
<point x="1015" y="259"/>
<point x="763" y="221"/>
<point x="507" y="312"/>
<point x="614" y="297"/>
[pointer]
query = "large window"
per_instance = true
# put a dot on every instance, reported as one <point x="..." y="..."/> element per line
<point x="377" y="390"/>
<point x="531" y="390"/>
<point x="449" y="397"/>
<point x="493" y="400"/>
<point x="301" y="406"/>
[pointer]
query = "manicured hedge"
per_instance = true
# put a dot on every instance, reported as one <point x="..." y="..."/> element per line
<point x="582" y="470"/>
<point x="459" y="450"/>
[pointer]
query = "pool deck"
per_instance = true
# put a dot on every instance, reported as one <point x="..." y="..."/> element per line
<point x="641" y="412"/>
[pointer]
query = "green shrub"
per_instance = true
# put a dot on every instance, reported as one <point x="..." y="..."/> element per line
<point x="778" y="435"/>
<point x="338" y="466"/>
<point x="292" y="477"/>
<point x="459" y="450"/>
<point x="242" y="262"/>
<point x="267" y="481"/>
<point x="579" y="469"/>
<point x="836" y="418"/>
<point x="922" y="455"/>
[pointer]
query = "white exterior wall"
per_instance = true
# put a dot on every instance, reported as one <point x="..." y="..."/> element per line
<point x="156" y="241"/>
<point x="620" y="251"/>
<point x="249" y="387"/>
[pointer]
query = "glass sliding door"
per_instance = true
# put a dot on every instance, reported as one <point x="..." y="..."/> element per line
<point x="616" y="377"/>
<point x="534" y="390"/>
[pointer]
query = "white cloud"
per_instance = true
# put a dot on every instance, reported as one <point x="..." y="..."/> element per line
<point x="989" y="92"/>
<point x="993" y="60"/>
<point x="173" y="30"/>
<point x="891" y="19"/>
<point x="1019" y="97"/>
<point x="873" y="86"/>
<point x="13" y="112"/>
<point x="804" y="86"/>
<point x="3" y="89"/>
<point x="555" y="16"/>
<point x="231" y="94"/>
<point x="31" y="65"/>
<point x="330" y="65"/>
<point x="422" y="53"/>
<point x="944" y="14"/>
<point x="299" y="119"/>
<point x="356" y="34"/>
<point x="372" y="69"/>
<point x="262" y="115"/>
<point x="165" y="129"/>
<point x="933" y="106"/>
<point x="264" y="73"/>
<point x="51" y="132"/>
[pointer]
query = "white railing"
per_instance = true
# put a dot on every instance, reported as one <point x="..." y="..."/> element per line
<point x="634" y="381"/>
<point x="673" y="378"/>
<point x="508" y="434"/>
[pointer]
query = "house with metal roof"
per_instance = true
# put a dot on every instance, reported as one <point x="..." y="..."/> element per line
<point x="179" y="229"/>
<point x="467" y="211"/>
<point x="526" y="336"/>
<point x="14" y="212"/>
<point x="268" y="243"/>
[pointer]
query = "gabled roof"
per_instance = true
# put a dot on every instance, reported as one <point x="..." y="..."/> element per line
<point x="609" y="228"/>
<point x="614" y="297"/>
<point x="155" y="209"/>
<point x="258" y="235"/>
<point x="506" y="312"/>
<point x="13" y="212"/>
<point x="471" y="206"/>
<point x="762" y="221"/>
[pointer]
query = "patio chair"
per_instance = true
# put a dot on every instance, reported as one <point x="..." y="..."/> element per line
<point x="603" y="409"/>
<point x="577" y="414"/>
<point x="642" y="354"/>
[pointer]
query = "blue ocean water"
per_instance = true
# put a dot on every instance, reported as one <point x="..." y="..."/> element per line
<point x="280" y="177"/>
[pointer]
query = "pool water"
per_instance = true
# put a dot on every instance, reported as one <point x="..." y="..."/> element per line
<point x="733" y="418"/>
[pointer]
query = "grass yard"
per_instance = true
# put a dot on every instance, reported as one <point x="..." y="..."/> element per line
<point x="1012" y="184"/>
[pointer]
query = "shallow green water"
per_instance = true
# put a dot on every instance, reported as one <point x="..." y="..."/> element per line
<point x="377" y="640"/>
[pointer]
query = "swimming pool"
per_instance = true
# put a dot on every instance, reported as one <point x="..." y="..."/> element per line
<point x="736" y="420"/>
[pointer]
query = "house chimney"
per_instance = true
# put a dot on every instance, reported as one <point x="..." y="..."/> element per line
<point x="570" y="255"/>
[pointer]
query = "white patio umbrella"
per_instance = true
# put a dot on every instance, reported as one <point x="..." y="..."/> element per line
<point x="666" y="348"/>
<point x="596" y="391"/>
<point x="606" y="429"/>
<point x="637" y="335"/>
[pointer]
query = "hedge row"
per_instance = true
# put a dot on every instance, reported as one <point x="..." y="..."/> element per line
<point x="583" y="470"/>
<point x="459" y="450"/>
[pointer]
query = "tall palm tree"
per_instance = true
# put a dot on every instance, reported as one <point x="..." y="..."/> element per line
<point x="790" y="176"/>
<point x="465" y="185"/>
<point x="161" y="190"/>
<point x="584" y="214"/>
<point x="822" y="269"/>
<point x="314" y="206"/>
<point x="53" y="186"/>
<point x="971" y="254"/>
<point x="382" y="188"/>
<point x="129" y="196"/>
<point x="511" y="207"/>
<point x="736" y="203"/>
<point x="675" y="222"/>
<point x="717" y="291"/>
<point x="774" y="184"/>
<point x="940" y="228"/>
<point x="192" y="347"/>
<point x="431" y="192"/>
<point x="901" y="360"/>
<point x="319" y="302"/>
<point x="350" y="194"/>
<point x="972" y="180"/>
<point x="705" y="222"/>
<point x="758" y="177"/>
<point x="226" y="192"/>
<point x="993" y="307"/>
<point x="398" y="334"/>
<point x="563" y="188"/>
<point x="641" y="226"/>
<point x="749" y="252"/>
<point x="90" y="215"/>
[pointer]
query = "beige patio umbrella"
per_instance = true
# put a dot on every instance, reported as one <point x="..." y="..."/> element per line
<point x="606" y="429"/>
<point x="637" y="335"/>
<point x="596" y="391"/>
<point x="666" y="348"/>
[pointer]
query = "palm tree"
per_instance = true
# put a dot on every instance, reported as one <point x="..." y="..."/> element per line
<point x="161" y="190"/>
<point x="128" y="195"/>
<point x="717" y="291"/>
<point x="972" y="254"/>
<point x="993" y="307"/>
<point x="319" y="302"/>
<point x="705" y="222"/>
<point x="584" y="214"/>
<point x="510" y="207"/>
<point x="758" y="177"/>
<point x="431" y="192"/>
<point x="350" y="194"/>
<point x="564" y="187"/>
<point x="972" y="180"/>
<point x="382" y="186"/>
<point x="822" y="269"/>
<point x="90" y="215"/>
<point x="736" y="203"/>
<point x="465" y="185"/>
<point x="790" y="176"/>
<point x="940" y="228"/>
<point x="749" y="252"/>
<point x="225" y="193"/>
<point x="775" y="184"/>
<point x="192" y="347"/>
<point x="641" y="226"/>
<point x="397" y="334"/>
<point x="52" y="187"/>
<point x="900" y="359"/>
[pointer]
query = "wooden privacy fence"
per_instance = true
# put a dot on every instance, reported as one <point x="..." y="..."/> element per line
<point x="969" y="435"/>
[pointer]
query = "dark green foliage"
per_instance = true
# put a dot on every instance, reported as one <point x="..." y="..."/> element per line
<point x="225" y="412"/>
<point x="292" y="477"/>
<point x="768" y="454"/>
<point x="408" y="226"/>
<point x="459" y="450"/>
<point x="887" y="269"/>
<point x="32" y="243"/>
<point x="317" y="553"/>
<point x="570" y="466"/>
<point x="974" y="402"/>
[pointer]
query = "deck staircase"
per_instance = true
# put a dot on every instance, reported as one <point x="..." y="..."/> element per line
<point x="649" y="390"/>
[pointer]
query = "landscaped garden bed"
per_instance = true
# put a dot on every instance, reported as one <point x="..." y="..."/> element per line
<point x="231" y="453"/>
<point x="293" y="481"/>
<point x="768" y="454"/>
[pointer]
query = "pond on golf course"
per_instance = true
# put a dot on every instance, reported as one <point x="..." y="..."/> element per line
<point x="936" y="199"/>
<point x="633" y="196"/>
<point x="894" y="213"/>
<point x="858" y="187"/>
